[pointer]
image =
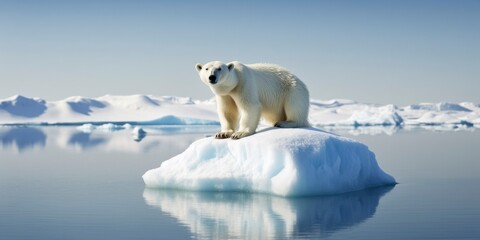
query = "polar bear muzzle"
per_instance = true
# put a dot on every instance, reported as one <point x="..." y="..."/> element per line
<point x="213" y="79"/>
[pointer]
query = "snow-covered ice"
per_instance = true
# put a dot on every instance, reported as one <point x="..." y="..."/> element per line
<point x="170" y="110"/>
<point x="284" y="162"/>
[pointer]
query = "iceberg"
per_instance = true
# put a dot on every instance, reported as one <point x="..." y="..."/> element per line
<point x="138" y="134"/>
<point x="86" y="128"/>
<point x="283" y="162"/>
<point x="375" y="116"/>
<point x="22" y="138"/>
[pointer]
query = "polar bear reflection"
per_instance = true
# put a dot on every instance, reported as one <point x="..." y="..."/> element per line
<point x="255" y="216"/>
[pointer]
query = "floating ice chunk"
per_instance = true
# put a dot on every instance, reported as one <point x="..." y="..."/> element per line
<point x="285" y="162"/>
<point x="439" y="118"/>
<point x="138" y="130"/>
<point x="138" y="134"/>
<point x="109" y="127"/>
<point x="86" y="128"/>
<point x="384" y="115"/>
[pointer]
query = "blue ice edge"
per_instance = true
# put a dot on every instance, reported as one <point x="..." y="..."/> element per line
<point x="282" y="162"/>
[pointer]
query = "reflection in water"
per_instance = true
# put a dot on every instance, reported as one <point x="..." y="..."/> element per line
<point x="391" y="130"/>
<point x="22" y="138"/>
<point x="214" y="215"/>
<point x="370" y="130"/>
<point x="85" y="140"/>
<point x="109" y="138"/>
<point x="70" y="137"/>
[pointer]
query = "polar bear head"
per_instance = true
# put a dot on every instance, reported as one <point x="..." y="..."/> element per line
<point x="217" y="75"/>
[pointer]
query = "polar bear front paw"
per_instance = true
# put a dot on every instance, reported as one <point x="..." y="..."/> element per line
<point x="238" y="135"/>
<point x="222" y="135"/>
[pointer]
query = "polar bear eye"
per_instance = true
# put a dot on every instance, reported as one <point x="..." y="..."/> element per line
<point x="206" y="69"/>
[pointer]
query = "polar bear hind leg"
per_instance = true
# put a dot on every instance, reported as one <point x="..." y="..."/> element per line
<point x="296" y="110"/>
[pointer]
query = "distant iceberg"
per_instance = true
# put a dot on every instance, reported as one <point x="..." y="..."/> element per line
<point x="171" y="110"/>
<point x="375" y="116"/>
<point x="284" y="162"/>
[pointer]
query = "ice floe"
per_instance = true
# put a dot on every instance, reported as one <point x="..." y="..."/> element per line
<point x="284" y="162"/>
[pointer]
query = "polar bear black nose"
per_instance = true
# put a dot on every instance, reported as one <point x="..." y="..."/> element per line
<point x="212" y="79"/>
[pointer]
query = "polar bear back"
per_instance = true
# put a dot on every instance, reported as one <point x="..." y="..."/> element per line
<point x="273" y="82"/>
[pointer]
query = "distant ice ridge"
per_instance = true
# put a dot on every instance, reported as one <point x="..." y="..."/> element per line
<point x="284" y="162"/>
<point x="171" y="110"/>
<point x="118" y="110"/>
<point x="341" y="112"/>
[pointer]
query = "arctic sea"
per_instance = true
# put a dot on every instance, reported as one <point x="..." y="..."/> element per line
<point x="65" y="183"/>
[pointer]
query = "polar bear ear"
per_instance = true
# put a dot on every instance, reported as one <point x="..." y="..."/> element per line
<point x="230" y="66"/>
<point x="198" y="66"/>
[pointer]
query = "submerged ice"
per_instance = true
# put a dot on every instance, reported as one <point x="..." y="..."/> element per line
<point x="284" y="162"/>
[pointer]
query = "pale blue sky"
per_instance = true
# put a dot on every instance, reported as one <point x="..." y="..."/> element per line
<point x="399" y="52"/>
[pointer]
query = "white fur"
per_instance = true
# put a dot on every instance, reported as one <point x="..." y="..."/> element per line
<point x="245" y="93"/>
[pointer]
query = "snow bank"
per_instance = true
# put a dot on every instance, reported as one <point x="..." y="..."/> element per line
<point x="285" y="162"/>
<point x="173" y="120"/>
<point x="107" y="127"/>
<point x="134" y="109"/>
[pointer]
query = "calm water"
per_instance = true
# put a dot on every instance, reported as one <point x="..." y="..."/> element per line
<point x="61" y="183"/>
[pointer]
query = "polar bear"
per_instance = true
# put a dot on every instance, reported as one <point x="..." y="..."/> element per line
<point x="244" y="93"/>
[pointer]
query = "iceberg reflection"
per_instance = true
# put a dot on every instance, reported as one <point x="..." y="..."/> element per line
<point x="85" y="140"/>
<point x="229" y="215"/>
<point x="22" y="138"/>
